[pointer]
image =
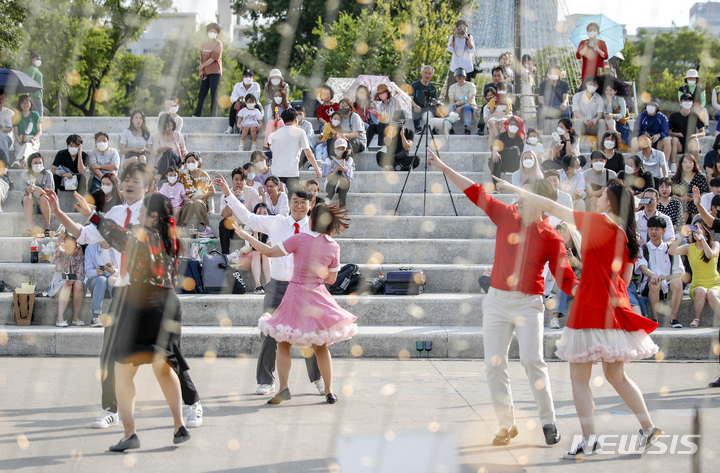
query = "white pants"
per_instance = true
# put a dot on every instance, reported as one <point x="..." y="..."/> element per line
<point x="22" y="152"/>
<point x="503" y="312"/>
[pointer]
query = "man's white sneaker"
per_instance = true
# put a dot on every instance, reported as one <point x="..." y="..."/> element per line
<point x="320" y="385"/>
<point x="193" y="415"/>
<point x="95" y="322"/>
<point x="583" y="449"/>
<point x="265" y="389"/>
<point x="649" y="436"/>
<point x="105" y="420"/>
<point x="554" y="323"/>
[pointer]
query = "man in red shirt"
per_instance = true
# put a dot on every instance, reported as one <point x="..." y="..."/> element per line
<point x="592" y="51"/>
<point x="523" y="244"/>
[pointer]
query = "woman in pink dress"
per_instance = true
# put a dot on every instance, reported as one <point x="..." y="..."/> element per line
<point x="602" y="325"/>
<point x="308" y="315"/>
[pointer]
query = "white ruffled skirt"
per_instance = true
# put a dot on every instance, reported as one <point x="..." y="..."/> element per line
<point x="342" y="330"/>
<point x="593" y="345"/>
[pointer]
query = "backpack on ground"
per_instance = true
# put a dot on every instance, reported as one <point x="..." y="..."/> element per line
<point x="349" y="280"/>
<point x="218" y="277"/>
<point x="190" y="281"/>
<point x="406" y="282"/>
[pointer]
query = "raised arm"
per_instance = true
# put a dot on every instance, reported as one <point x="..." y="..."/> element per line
<point x="267" y="250"/>
<point x="458" y="179"/>
<point x="547" y="205"/>
<point x="707" y="218"/>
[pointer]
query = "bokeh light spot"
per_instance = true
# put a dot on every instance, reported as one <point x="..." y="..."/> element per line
<point x="73" y="78"/>
<point x="433" y="426"/>
<point x="330" y="42"/>
<point x="356" y="351"/>
<point x="101" y="95"/>
<point x="23" y="442"/>
<point x="598" y="381"/>
<point x="404" y="355"/>
<point x="400" y="44"/>
<point x="362" y="48"/>
<point x="224" y="101"/>
<point x="210" y="357"/>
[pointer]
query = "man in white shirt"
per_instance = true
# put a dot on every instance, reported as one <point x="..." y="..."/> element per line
<point x="462" y="47"/>
<point x="588" y="110"/>
<point x="6" y="125"/>
<point x="237" y="96"/>
<point x="286" y="144"/>
<point x="706" y="199"/>
<point x="136" y="179"/>
<point x="653" y="159"/>
<point x="563" y="198"/>
<point x="278" y="229"/>
<point x="661" y="270"/>
<point x="650" y="210"/>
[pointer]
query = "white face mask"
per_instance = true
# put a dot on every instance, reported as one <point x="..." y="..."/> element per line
<point x="336" y="123"/>
<point x="592" y="34"/>
<point x="598" y="165"/>
<point x="629" y="170"/>
<point x="250" y="105"/>
<point x="38" y="63"/>
<point x="609" y="144"/>
<point x="37" y="168"/>
<point x="73" y="151"/>
<point x="691" y="82"/>
<point x="553" y="76"/>
<point x="275" y="81"/>
<point x="212" y="35"/>
<point x="513" y="129"/>
<point x="339" y="152"/>
<point x="172" y="179"/>
<point x="502" y="92"/>
<point x="107" y="189"/>
<point x="686" y="105"/>
<point x="247" y="80"/>
<point x="561" y="131"/>
<point x="278" y="100"/>
<point x="651" y="109"/>
<point x="191" y="166"/>
<point x="174" y="109"/>
<point x="251" y="176"/>
<point x="101" y="145"/>
<point x="528" y="163"/>
<point x="532" y="140"/>
<point x="592" y="89"/>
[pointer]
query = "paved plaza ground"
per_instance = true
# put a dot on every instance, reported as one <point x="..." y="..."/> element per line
<point x="48" y="403"/>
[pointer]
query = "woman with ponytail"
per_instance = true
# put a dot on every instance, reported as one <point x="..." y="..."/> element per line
<point x="602" y="325"/>
<point x="147" y="330"/>
<point x="308" y="315"/>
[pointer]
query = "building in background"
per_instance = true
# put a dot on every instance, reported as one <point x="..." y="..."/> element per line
<point x="706" y="16"/>
<point x="168" y="26"/>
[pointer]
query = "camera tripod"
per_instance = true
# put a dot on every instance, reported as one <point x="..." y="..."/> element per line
<point x="426" y="132"/>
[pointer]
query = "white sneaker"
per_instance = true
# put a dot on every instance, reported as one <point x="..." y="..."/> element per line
<point x="554" y="323"/>
<point x="686" y="291"/>
<point x="95" y="322"/>
<point x="241" y="147"/>
<point x="78" y="323"/>
<point x="207" y="233"/>
<point x="649" y="436"/>
<point x="228" y="131"/>
<point x="320" y="385"/>
<point x="193" y="415"/>
<point x="265" y="389"/>
<point x="253" y="147"/>
<point x="105" y="420"/>
<point x="61" y="324"/>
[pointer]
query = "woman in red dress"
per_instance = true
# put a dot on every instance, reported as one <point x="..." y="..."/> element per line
<point x="602" y="325"/>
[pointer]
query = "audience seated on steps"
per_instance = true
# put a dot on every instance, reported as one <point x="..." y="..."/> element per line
<point x="68" y="278"/>
<point x="693" y="88"/>
<point x="168" y="147"/>
<point x="175" y="191"/>
<point x="7" y="137"/>
<point x="654" y="123"/>
<point x="27" y="130"/>
<point x="635" y="175"/>
<point x="533" y="143"/>
<point x="711" y="162"/>
<point x="69" y="166"/>
<point x="573" y="243"/>
<point x="275" y="82"/>
<point x="172" y="105"/>
<point x="687" y="177"/>
<point x="351" y="127"/>
<point x="237" y="97"/>
<point x="685" y="127"/>
<point x="250" y="121"/>
<point x="653" y="159"/>
<point x="597" y="179"/>
<point x="274" y="115"/>
<point x="198" y="188"/>
<point x="497" y="112"/>
<point x="135" y="142"/>
<point x="304" y="124"/>
<point x="609" y="145"/>
<point x="339" y="172"/>
<point x="553" y="97"/>
<point x="589" y="110"/>
<point x="109" y="195"/>
<point x="420" y="104"/>
<point x="667" y="204"/>
<point x="272" y="195"/>
<point x="246" y="195"/>
<point x="616" y="113"/>
<point x="385" y="104"/>
<point x="330" y="130"/>
<point x="397" y="144"/>
<point x="103" y="160"/>
<point x="35" y="179"/>
<point x="565" y="142"/>
<point x="507" y="147"/>
<point x="102" y="268"/>
<point x="572" y="181"/>
<point x="326" y="108"/>
<point x="462" y="98"/>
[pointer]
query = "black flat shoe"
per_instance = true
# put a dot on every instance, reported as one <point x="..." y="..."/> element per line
<point x="714" y="384"/>
<point x="182" y="435"/>
<point x="331" y="398"/>
<point x="551" y="434"/>
<point x="283" y="395"/>
<point x="503" y="437"/>
<point x="132" y="442"/>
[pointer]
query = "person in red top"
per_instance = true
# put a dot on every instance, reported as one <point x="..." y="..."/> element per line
<point x="524" y="243"/>
<point x="602" y="325"/>
<point x="324" y="111"/>
<point x="592" y="51"/>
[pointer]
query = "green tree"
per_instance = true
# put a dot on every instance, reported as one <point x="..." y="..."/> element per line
<point x="12" y="15"/>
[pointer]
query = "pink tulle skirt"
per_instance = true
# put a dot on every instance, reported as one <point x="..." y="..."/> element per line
<point x="344" y="329"/>
<point x="593" y="345"/>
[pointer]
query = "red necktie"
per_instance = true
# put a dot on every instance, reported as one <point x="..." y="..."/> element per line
<point x="123" y="257"/>
<point x="297" y="228"/>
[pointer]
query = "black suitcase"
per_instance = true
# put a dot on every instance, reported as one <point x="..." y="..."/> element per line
<point x="410" y="282"/>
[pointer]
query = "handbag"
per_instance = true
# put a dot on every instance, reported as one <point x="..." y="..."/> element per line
<point x="70" y="183"/>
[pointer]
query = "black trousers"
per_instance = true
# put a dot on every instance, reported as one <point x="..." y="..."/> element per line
<point x="225" y="236"/>
<point x="509" y="161"/>
<point x="107" y="365"/>
<point x="291" y="183"/>
<point x="340" y="184"/>
<point x="210" y="83"/>
<point x="274" y="292"/>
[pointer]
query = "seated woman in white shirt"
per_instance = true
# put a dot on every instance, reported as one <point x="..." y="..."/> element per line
<point x="276" y="200"/>
<point x="572" y="181"/>
<point x="529" y="168"/>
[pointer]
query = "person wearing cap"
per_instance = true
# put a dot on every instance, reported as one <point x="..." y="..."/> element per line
<point x="596" y="179"/>
<point x="461" y="45"/>
<point x="686" y="127"/>
<point x="339" y="172"/>
<point x="592" y="51"/>
<point x="589" y="110"/>
<point x="653" y="122"/>
<point x="692" y="86"/>
<point x="275" y="82"/>
<point x="210" y="70"/>
<point x="385" y="106"/>
<point x="237" y="97"/>
<point x="462" y="96"/>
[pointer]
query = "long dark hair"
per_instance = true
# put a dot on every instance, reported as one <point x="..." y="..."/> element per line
<point x="677" y="178"/>
<point x="143" y="127"/>
<point x="622" y="204"/>
<point x="329" y="219"/>
<point x="567" y="123"/>
<point x="709" y="234"/>
<point x="116" y="186"/>
<point x="162" y="205"/>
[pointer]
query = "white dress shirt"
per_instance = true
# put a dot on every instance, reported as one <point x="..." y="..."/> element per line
<point x="90" y="234"/>
<point x="276" y="227"/>
<point x="641" y="225"/>
<point x="706" y="200"/>
<point x="661" y="264"/>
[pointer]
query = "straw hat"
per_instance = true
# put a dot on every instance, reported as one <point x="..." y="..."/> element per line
<point x="380" y="89"/>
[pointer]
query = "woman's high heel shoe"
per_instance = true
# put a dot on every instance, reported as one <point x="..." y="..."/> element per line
<point x="283" y="395"/>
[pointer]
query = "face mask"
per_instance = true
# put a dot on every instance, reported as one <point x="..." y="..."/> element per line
<point x="592" y="34"/>
<point x="173" y="110"/>
<point x="651" y="109"/>
<point x="528" y="163"/>
<point x="686" y="105"/>
<point x="101" y="145"/>
<point x="609" y="144"/>
<point x="37" y="168"/>
<point x="212" y="35"/>
<point x="191" y="166"/>
<point x="172" y="179"/>
<point x="561" y="131"/>
<point x="336" y="123"/>
<point x="344" y="111"/>
<point x="107" y="189"/>
<point x="278" y="100"/>
<point x="591" y="89"/>
<point x="629" y="170"/>
<point x="250" y="105"/>
<point x="251" y="176"/>
<point x="513" y="129"/>
<point x="691" y="82"/>
<point x="553" y="76"/>
<point x="38" y="63"/>
<point x="532" y="140"/>
<point x="73" y="151"/>
<point x="247" y="80"/>
<point x="339" y="152"/>
<point x="275" y="81"/>
<point x="502" y="92"/>
<point x="598" y="165"/>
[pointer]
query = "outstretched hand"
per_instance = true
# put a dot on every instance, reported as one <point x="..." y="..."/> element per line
<point x="222" y="185"/>
<point x="240" y="232"/>
<point x="434" y="161"/>
<point x="501" y="184"/>
<point x="82" y="205"/>
<point x="53" y="200"/>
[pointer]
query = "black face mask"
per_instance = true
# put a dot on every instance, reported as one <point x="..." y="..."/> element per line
<point x="344" y="111"/>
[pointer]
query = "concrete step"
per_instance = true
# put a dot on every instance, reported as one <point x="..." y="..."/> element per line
<point x="371" y="341"/>
<point x="193" y="141"/>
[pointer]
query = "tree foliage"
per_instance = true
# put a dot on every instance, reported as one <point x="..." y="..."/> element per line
<point x="12" y="15"/>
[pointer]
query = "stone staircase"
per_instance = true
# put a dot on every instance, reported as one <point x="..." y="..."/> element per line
<point x="452" y="251"/>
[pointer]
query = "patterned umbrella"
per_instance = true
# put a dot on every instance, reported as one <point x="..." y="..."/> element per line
<point x="339" y="85"/>
<point x="372" y="82"/>
<point x="610" y="32"/>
